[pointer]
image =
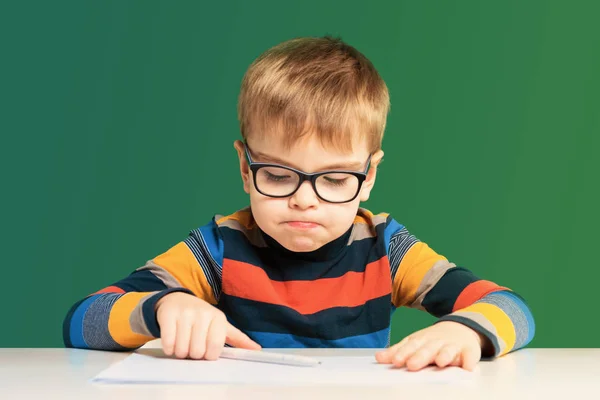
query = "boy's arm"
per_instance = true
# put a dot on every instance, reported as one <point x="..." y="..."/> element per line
<point x="122" y="316"/>
<point x="425" y="280"/>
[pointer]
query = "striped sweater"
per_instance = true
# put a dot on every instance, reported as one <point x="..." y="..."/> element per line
<point x="340" y="295"/>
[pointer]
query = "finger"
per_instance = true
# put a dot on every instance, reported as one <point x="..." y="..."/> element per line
<point x="198" y="338"/>
<point x="425" y="355"/>
<point x="184" y="332"/>
<point x="237" y="338"/>
<point x="405" y="351"/>
<point x="168" y="331"/>
<point x="215" y="338"/>
<point x="470" y="357"/>
<point x="447" y="355"/>
<point x="457" y="360"/>
<point x="386" y="356"/>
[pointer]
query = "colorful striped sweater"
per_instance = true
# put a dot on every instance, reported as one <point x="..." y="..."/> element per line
<point x="341" y="295"/>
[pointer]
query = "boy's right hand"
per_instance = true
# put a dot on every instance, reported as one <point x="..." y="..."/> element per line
<point x="191" y="327"/>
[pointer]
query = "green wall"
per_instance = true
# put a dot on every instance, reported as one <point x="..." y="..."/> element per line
<point x="118" y="117"/>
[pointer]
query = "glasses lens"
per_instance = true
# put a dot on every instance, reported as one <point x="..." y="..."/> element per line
<point x="274" y="181"/>
<point x="334" y="187"/>
<point x="337" y="187"/>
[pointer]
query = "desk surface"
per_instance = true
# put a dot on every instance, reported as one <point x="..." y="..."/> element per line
<point x="527" y="374"/>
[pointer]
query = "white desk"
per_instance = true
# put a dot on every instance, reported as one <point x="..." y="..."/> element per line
<point x="525" y="374"/>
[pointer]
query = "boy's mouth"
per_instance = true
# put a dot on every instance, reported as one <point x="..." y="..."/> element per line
<point x="302" y="224"/>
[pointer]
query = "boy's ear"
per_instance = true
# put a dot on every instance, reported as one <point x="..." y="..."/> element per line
<point x="369" y="182"/>
<point x="244" y="169"/>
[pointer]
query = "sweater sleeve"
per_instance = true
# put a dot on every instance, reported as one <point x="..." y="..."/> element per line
<point x="122" y="316"/>
<point x="425" y="280"/>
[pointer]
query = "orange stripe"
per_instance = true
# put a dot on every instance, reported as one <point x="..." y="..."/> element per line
<point x="415" y="264"/>
<point x="110" y="289"/>
<point x="118" y="321"/>
<point x="180" y="263"/>
<point x="474" y="292"/>
<point x="244" y="217"/>
<point x="365" y="218"/>
<point x="307" y="297"/>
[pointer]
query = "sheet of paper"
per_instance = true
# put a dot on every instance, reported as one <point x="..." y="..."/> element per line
<point x="151" y="366"/>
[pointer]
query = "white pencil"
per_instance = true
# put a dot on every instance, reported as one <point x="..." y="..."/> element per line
<point x="267" y="357"/>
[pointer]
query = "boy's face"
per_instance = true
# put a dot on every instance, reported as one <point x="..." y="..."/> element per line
<point x="302" y="221"/>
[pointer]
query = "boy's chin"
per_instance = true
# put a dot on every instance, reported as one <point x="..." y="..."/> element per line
<point x="301" y="244"/>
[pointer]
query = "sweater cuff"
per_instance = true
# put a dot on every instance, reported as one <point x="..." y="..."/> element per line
<point x="148" y="309"/>
<point x="479" y="329"/>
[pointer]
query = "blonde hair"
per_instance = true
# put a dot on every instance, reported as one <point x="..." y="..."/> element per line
<point x="319" y="85"/>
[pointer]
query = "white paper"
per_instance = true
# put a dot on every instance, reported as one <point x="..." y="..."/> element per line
<point x="151" y="366"/>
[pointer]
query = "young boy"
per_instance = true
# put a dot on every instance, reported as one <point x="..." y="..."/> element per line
<point x="304" y="265"/>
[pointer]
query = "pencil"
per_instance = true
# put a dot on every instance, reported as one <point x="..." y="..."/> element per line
<point x="268" y="357"/>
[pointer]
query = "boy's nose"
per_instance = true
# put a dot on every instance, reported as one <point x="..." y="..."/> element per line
<point x="305" y="196"/>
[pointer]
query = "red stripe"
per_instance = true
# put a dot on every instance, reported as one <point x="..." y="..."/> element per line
<point x="110" y="289"/>
<point x="475" y="291"/>
<point x="307" y="297"/>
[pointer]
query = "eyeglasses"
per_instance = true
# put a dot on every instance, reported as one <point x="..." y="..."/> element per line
<point x="274" y="180"/>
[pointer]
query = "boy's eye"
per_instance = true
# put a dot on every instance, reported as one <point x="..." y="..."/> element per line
<point x="335" y="181"/>
<point x="276" y="177"/>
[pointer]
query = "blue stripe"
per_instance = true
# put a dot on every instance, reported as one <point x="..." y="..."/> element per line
<point x="524" y="308"/>
<point x="66" y="328"/>
<point x="213" y="242"/>
<point x="285" y="340"/>
<point x="76" y="329"/>
<point x="207" y="246"/>
<point x="390" y="229"/>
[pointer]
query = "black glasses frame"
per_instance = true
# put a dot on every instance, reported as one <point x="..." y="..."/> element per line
<point x="304" y="176"/>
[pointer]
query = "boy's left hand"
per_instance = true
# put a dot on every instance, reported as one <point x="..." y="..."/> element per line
<point x="446" y="343"/>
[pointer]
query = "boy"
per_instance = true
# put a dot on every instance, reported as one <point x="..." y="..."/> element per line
<point x="304" y="265"/>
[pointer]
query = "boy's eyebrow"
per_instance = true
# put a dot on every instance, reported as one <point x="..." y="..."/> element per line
<point x="350" y="165"/>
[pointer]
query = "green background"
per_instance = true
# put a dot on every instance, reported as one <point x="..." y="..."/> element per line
<point x="118" y="119"/>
